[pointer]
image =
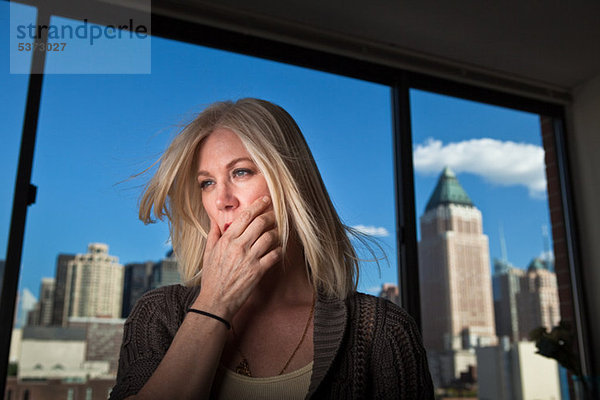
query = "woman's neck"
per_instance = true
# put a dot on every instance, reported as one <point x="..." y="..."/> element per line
<point x="285" y="283"/>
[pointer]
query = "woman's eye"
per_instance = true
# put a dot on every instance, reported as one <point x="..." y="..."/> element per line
<point x="205" y="184"/>
<point x="238" y="173"/>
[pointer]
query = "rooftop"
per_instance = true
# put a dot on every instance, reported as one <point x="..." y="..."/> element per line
<point x="53" y="333"/>
<point x="448" y="191"/>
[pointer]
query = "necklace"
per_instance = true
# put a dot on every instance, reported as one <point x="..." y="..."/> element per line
<point x="243" y="368"/>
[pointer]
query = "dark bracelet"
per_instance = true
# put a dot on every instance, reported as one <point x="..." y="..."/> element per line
<point x="213" y="316"/>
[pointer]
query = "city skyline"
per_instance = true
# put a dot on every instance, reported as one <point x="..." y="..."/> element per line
<point x="92" y="284"/>
<point x="475" y="323"/>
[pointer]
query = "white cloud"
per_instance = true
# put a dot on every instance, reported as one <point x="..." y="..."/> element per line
<point x="503" y="163"/>
<point x="372" y="230"/>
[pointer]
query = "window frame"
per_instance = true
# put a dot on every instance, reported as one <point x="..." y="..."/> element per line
<point x="399" y="80"/>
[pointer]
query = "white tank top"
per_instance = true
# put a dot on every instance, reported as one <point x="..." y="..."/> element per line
<point x="294" y="385"/>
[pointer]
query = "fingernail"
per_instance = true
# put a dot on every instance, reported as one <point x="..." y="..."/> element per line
<point x="266" y="199"/>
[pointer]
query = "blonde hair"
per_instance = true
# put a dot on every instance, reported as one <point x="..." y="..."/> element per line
<point x="300" y="199"/>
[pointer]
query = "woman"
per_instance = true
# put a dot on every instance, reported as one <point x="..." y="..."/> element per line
<point x="277" y="315"/>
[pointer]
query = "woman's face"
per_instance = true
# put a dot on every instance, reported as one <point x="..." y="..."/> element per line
<point x="228" y="178"/>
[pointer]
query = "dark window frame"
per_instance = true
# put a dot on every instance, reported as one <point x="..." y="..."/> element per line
<point x="400" y="82"/>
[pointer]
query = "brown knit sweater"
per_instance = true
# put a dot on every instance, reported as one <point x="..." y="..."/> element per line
<point x="364" y="348"/>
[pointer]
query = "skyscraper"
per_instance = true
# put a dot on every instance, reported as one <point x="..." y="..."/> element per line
<point x="165" y="272"/>
<point x="537" y="300"/>
<point x="42" y="314"/>
<point x="455" y="279"/>
<point x="46" y="299"/>
<point x="507" y="285"/>
<point x="142" y="277"/>
<point x="59" y="308"/>
<point x="137" y="281"/>
<point x="92" y="284"/>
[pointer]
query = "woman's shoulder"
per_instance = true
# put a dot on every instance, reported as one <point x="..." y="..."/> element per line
<point x="165" y="305"/>
<point x="381" y="314"/>
<point x="397" y="358"/>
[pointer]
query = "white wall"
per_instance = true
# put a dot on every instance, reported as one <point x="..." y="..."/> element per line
<point x="584" y="154"/>
<point x="46" y="354"/>
<point x="538" y="376"/>
<point x="516" y="372"/>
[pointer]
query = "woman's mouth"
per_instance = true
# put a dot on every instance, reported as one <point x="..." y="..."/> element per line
<point x="227" y="225"/>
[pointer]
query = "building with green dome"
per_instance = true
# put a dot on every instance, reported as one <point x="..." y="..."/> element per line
<point x="455" y="281"/>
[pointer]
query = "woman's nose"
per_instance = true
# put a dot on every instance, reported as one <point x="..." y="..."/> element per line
<point x="226" y="198"/>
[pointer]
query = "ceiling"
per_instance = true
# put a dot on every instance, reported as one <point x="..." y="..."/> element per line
<point x="553" y="43"/>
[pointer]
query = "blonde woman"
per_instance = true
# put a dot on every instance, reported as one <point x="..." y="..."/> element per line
<point x="269" y="309"/>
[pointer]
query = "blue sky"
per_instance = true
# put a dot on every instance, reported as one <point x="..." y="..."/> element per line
<point x="96" y="131"/>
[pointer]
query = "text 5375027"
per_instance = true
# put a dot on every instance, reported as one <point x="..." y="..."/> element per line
<point x="35" y="46"/>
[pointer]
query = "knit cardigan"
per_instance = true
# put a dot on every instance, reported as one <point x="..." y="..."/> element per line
<point x="364" y="347"/>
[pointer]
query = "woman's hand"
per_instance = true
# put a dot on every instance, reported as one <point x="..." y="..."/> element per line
<point x="236" y="260"/>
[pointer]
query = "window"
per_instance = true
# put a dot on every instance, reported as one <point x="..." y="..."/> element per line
<point x="79" y="159"/>
<point x="83" y="230"/>
<point x="486" y="260"/>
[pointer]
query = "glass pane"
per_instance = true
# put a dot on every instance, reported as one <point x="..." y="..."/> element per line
<point x="95" y="132"/>
<point x="485" y="255"/>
